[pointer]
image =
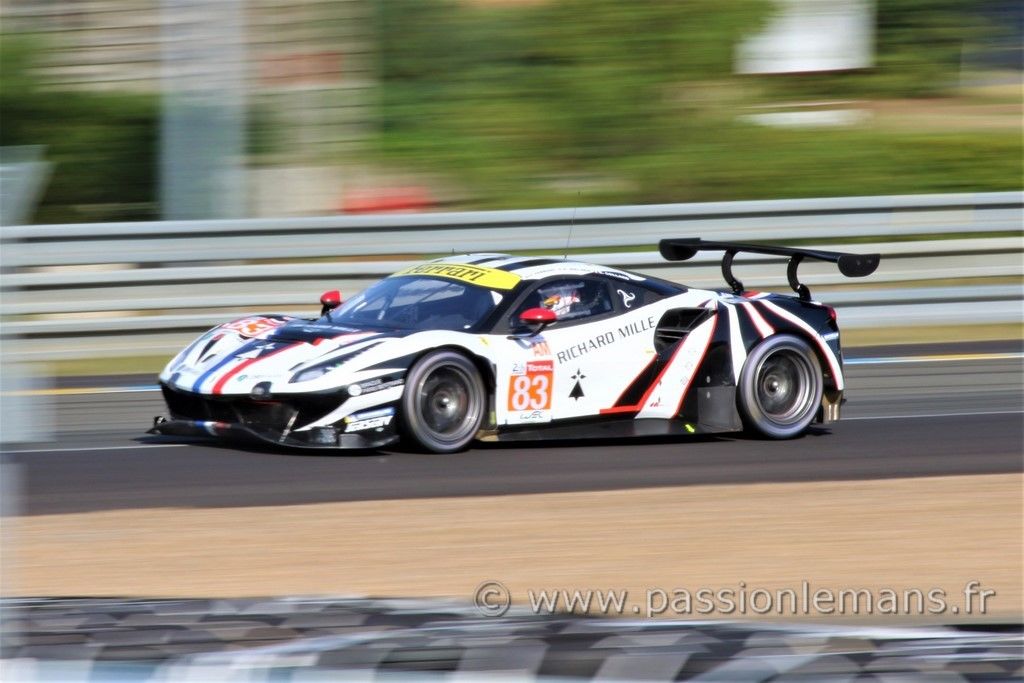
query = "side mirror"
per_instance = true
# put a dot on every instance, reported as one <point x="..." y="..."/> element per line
<point x="537" y="318"/>
<point x="329" y="301"/>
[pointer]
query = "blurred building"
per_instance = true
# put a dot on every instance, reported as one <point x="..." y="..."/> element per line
<point x="812" y="35"/>
<point x="294" y="79"/>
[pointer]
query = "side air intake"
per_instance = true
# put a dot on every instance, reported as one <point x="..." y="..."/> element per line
<point x="676" y="324"/>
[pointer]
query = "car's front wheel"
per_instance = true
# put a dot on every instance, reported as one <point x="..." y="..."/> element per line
<point x="444" y="402"/>
<point x="780" y="387"/>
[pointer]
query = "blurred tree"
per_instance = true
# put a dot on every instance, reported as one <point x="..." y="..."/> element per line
<point x="920" y="43"/>
<point x="637" y="102"/>
<point x="496" y="92"/>
<point x="102" y="146"/>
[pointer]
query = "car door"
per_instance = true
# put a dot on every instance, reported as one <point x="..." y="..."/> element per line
<point x="579" y="365"/>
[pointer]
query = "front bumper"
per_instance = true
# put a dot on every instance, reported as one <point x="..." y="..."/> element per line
<point x="275" y="421"/>
<point x="320" y="437"/>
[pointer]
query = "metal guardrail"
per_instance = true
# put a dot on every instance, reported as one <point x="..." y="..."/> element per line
<point x="597" y="227"/>
<point x="96" y="289"/>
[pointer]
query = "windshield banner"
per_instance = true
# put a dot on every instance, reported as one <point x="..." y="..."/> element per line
<point x="491" y="278"/>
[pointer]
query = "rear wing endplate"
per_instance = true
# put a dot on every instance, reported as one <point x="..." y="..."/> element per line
<point x="850" y="265"/>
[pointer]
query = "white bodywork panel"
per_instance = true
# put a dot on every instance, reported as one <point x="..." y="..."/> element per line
<point x="569" y="370"/>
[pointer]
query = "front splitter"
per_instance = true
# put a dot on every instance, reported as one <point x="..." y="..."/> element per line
<point x="320" y="439"/>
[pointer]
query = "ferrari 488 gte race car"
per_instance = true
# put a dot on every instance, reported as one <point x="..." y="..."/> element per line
<point x="499" y="347"/>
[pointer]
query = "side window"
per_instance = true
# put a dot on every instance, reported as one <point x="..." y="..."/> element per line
<point x="630" y="295"/>
<point x="570" y="299"/>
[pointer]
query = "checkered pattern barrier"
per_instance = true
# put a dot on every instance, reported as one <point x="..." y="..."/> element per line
<point x="298" y="639"/>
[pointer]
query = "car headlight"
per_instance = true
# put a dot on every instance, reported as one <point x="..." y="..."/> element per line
<point x="318" y="371"/>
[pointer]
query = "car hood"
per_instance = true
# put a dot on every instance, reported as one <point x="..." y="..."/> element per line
<point x="292" y="354"/>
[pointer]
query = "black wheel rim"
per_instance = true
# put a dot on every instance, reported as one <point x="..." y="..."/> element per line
<point x="447" y="403"/>
<point x="784" y="386"/>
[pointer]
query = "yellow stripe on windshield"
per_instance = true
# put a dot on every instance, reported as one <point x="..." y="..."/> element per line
<point x="491" y="278"/>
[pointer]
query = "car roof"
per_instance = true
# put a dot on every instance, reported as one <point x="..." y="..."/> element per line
<point x="505" y="271"/>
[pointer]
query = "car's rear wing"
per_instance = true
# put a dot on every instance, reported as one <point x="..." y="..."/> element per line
<point x="850" y="265"/>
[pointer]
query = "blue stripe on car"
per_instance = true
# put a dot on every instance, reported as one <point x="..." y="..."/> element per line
<point x="217" y="366"/>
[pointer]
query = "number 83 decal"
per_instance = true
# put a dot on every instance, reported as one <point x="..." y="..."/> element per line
<point x="530" y="387"/>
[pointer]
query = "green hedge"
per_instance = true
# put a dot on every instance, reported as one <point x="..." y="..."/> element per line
<point x="102" y="146"/>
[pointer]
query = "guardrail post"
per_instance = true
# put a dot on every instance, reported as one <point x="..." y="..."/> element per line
<point x="25" y="413"/>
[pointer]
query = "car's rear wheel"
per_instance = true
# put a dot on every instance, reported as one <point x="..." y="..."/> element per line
<point x="780" y="387"/>
<point x="443" y="403"/>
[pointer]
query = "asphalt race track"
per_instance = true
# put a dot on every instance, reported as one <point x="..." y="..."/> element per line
<point x="912" y="412"/>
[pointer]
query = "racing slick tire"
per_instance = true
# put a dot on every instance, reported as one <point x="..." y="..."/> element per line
<point x="444" y="402"/>
<point x="780" y="387"/>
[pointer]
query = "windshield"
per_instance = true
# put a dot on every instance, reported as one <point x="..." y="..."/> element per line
<point x="419" y="303"/>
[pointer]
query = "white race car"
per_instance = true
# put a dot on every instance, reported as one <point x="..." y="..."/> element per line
<point x="499" y="347"/>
